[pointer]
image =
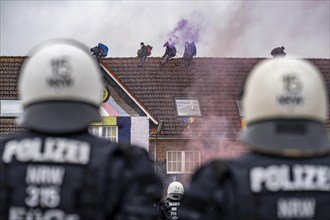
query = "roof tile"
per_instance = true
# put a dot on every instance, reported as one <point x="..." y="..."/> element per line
<point x="216" y="82"/>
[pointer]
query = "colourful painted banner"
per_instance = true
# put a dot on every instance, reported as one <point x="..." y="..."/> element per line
<point x="111" y="108"/>
<point x="189" y="120"/>
<point x="133" y="130"/>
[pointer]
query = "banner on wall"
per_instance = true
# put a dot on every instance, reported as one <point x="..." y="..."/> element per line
<point x="133" y="130"/>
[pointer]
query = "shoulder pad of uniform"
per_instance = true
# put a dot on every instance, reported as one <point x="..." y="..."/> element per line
<point x="220" y="170"/>
<point x="215" y="169"/>
<point x="131" y="152"/>
<point x="140" y="164"/>
<point x="124" y="148"/>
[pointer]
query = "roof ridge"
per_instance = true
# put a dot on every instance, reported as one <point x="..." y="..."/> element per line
<point x="128" y="91"/>
<point x="12" y="59"/>
<point x="158" y="57"/>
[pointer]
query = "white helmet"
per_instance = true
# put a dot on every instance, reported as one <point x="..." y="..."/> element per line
<point x="60" y="86"/>
<point x="175" y="191"/>
<point x="285" y="105"/>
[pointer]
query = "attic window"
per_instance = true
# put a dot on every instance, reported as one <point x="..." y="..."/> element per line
<point x="187" y="107"/>
<point x="10" y="108"/>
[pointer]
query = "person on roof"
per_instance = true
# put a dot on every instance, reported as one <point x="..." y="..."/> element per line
<point x="143" y="53"/>
<point x="57" y="169"/>
<point x="170" y="52"/>
<point x="278" y="52"/>
<point x="99" y="51"/>
<point x="286" y="172"/>
<point x="189" y="52"/>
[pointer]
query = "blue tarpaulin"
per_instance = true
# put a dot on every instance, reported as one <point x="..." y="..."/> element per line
<point x="104" y="48"/>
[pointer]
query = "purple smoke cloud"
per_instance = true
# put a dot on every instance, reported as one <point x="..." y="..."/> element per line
<point x="186" y="30"/>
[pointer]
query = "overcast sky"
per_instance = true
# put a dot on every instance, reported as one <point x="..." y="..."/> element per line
<point x="219" y="28"/>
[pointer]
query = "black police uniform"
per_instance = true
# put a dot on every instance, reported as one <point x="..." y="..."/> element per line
<point x="168" y="209"/>
<point x="260" y="186"/>
<point x="75" y="176"/>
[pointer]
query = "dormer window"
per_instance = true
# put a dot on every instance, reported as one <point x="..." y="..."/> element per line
<point x="187" y="107"/>
<point x="10" y="108"/>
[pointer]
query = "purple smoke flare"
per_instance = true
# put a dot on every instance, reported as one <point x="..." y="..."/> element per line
<point x="185" y="31"/>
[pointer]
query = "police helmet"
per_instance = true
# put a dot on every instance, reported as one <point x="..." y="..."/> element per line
<point x="60" y="87"/>
<point x="175" y="191"/>
<point x="285" y="104"/>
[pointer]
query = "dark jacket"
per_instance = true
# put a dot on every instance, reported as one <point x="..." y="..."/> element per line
<point x="167" y="209"/>
<point x="259" y="186"/>
<point x="170" y="51"/>
<point x="75" y="176"/>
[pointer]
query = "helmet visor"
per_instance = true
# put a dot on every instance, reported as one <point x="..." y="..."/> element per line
<point x="175" y="196"/>
<point x="293" y="138"/>
<point x="59" y="116"/>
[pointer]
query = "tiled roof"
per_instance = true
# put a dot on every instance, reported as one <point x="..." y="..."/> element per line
<point x="8" y="126"/>
<point x="9" y="68"/>
<point x="216" y="82"/>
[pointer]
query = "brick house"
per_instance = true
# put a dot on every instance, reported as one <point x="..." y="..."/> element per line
<point x="183" y="115"/>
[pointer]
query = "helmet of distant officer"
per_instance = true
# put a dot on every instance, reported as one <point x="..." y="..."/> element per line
<point x="175" y="191"/>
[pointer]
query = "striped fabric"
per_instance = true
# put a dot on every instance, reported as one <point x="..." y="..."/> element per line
<point x="133" y="130"/>
<point x="111" y="108"/>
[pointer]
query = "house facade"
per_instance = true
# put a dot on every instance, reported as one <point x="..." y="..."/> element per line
<point x="184" y="116"/>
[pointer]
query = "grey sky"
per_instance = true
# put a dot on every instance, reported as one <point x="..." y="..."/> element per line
<point x="220" y="28"/>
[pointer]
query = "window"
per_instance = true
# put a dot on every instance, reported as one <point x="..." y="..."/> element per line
<point x="182" y="161"/>
<point x="240" y="108"/>
<point x="187" y="107"/>
<point x="10" y="108"/>
<point x="107" y="132"/>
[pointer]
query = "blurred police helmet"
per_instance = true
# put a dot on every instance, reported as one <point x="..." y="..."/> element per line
<point x="285" y="104"/>
<point x="60" y="87"/>
<point x="175" y="191"/>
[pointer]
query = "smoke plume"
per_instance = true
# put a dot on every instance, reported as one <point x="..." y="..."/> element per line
<point x="188" y="29"/>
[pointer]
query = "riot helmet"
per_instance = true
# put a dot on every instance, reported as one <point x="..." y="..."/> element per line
<point x="285" y="105"/>
<point x="60" y="87"/>
<point x="175" y="191"/>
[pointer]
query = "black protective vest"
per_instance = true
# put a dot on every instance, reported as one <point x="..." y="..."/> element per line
<point x="76" y="176"/>
<point x="172" y="208"/>
<point x="168" y="209"/>
<point x="258" y="186"/>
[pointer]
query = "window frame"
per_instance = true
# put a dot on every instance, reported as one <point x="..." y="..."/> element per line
<point x="177" y="108"/>
<point x="100" y="132"/>
<point x="9" y="112"/>
<point x="182" y="162"/>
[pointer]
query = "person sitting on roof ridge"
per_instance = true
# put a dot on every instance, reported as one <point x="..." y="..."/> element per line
<point x="143" y="53"/>
<point x="189" y="52"/>
<point x="170" y="52"/>
<point x="101" y="50"/>
<point x="278" y="52"/>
